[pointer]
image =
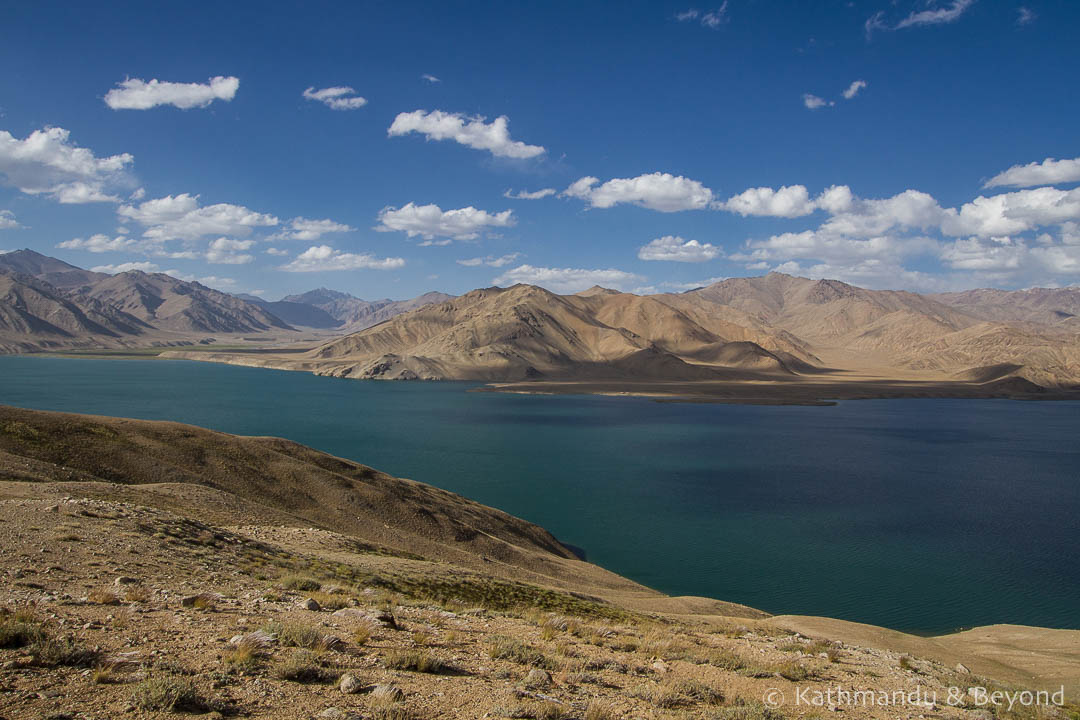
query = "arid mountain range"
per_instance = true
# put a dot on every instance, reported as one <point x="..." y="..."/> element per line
<point x="775" y="330"/>
<point x="48" y="304"/>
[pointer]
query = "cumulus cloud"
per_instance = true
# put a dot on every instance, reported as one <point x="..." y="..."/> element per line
<point x="1048" y="172"/>
<point x="490" y="261"/>
<point x="148" y="267"/>
<point x="7" y="220"/>
<point x="99" y="243"/>
<point x="472" y="132"/>
<point x="180" y="217"/>
<point x="310" y="230"/>
<point x="674" y="249"/>
<point x="47" y="163"/>
<point x="813" y="102"/>
<point x="656" y="191"/>
<point x="936" y="16"/>
<point x="535" y="195"/>
<point x="336" y="98"/>
<point x="1022" y="237"/>
<point x="853" y="89"/>
<point x="228" y="251"/>
<point x="323" y="258"/>
<point x="1012" y="213"/>
<point x="276" y="251"/>
<point x="789" y="201"/>
<point x="136" y="94"/>
<point x="566" y="280"/>
<point x="430" y="221"/>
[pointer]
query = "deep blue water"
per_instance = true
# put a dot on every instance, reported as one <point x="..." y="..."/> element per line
<point x="921" y="515"/>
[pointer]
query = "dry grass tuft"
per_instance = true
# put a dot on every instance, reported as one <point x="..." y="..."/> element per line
<point x="420" y="661"/>
<point x="300" y="583"/>
<point x="742" y="710"/>
<point x="136" y="594"/>
<point x="168" y="694"/>
<point x="302" y="636"/>
<point x="303" y="667"/>
<point x="103" y="596"/>
<point x="501" y="647"/>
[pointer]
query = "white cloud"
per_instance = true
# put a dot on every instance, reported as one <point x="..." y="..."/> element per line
<point x="535" y="195"/>
<point x="853" y="89"/>
<point x="148" y="267"/>
<point x="1048" y="172"/>
<point x="715" y="18"/>
<point x="227" y="251"/>
<point x="310" y="230"/>
<point x="1025" y="16"/>
<point x="218" y="283"/>
<point x="336" y="98"/>
<point x="323" y="258"/>
<point x="430" y="221"/>
<point x="657" y="191"/>
<point x="675" y="249"/>
<point x="180" y="217"/>
<point x="7" y="220"/>
<point x="430" y="78"/>
<point x="936" y="16"/>
<point x="47" y="163"/>
<point x="711" y="19"/>
<point x="566" y="280"/>
<point x="436" y="243"/>
<point x="490" y="261"/>
<point x="1012" y="213"/>
<point x="136" y="94"/>
<point x="813" y="102"/>
<point x="853" y="216"/>
<point x="99" y="243"/>
<point x="789" y="201"/>
<point x="277" y="252"/>
<point x="469" y="131"/>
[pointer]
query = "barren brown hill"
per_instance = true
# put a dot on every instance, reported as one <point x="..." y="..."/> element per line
<point x="171" y="304"/>
<point x="1047" y="306"/>
<point x="353" y="314"/>
<point x="528" y="332"/>
<point x="34" y="314"/>
<point x="55" y="272"/>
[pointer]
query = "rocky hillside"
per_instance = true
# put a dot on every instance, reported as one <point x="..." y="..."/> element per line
<point x="156" y="568"/>
<point x="1045" y="306"/>
<point x="34" y="314"/>
<point x="353" y="314"/>
<point x="49" y="304"/>
<point x="528" y="332"/>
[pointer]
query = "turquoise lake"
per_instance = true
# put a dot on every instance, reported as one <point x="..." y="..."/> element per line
<point x="920" y="515"/>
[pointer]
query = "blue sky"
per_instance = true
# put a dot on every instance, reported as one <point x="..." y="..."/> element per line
<point x="910" y="144"/>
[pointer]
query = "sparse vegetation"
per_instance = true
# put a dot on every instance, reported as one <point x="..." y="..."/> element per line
<point x="168" y="693"/>
<point x="742" y="710"/>
<point x="302" y="636"/>
<point x="502" y="647"/>
<point x="300" y="583"/>
<point x="103" y="596"/>
<point x="303" y="666"/>
<point x="420" y="661"/>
